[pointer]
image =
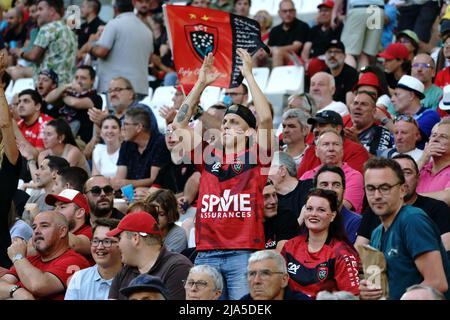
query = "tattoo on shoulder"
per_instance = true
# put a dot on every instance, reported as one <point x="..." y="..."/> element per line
<point x="181" y="115"/>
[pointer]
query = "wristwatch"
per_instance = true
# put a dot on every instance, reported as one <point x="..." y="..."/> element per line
<point x="18" y="256"/>
<point x="13" y="289"/>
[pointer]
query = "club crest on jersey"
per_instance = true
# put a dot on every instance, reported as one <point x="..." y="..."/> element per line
<point x="237" y="167"/>
<point x="202" y="40"/>
<point x="322" y="272"/>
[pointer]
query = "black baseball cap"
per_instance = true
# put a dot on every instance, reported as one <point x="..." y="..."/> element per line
<point x="336" y="44"/>
<point x="145" y="282"/>
<point x="327" y="116"/>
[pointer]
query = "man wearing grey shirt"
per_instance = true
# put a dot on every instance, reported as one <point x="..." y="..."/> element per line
<point x="124" y="49"/>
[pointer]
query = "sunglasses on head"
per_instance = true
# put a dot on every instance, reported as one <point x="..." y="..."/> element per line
<point x="96" y="190"/>
<point x="406" y="118"/>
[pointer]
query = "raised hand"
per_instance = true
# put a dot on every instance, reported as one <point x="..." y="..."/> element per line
<point x="3" y="61"/>
<point x="207" y="73"/>
<point x="247" y="62"/>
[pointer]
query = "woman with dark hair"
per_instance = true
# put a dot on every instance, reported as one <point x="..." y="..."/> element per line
<point x="324" y="258"/>
<point x="164" y="208"/>
<point x="106" y="154"/>
<point x="59" y="141"/>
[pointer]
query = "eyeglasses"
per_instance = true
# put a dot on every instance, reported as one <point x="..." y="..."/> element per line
<point x="406" y="118"/>
<point x="421" y="65"/>
<point x="385" y="189"/>
<point x="264" y="273"/>
<point x="107" y="243"/>
<point x="118" y="89"/>
<point x="200" y="284"/>
<point x="96" y="191"/>
<point x="127" y="124"/>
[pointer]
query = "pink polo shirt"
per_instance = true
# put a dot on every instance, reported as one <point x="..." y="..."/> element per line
<point x="430" y="182"/>
<point x="354" y="185"/>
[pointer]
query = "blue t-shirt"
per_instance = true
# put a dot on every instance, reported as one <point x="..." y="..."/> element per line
<point x="388" y="31"/>
<point x="426" y="119"/>
<point x="411" y="234"/>
<point x="351" y="221"/>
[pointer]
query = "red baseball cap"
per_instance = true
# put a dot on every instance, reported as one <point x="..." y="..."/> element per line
<point x="395" y="51"/>
<point x="140" y="221"/>
<point x="368" y="79"/>
<point x="326" y="3"/>
<point x="69" y="196"/>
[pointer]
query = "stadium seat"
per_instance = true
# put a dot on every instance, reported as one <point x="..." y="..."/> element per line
<point x="269" y="5"/>
<point x="9" y="92"/>
<point x="22" y="84"/>
<point x="286" y="80"/>
<point x="104" y="101"/>
<point x="163" y="96"/>
<point x="209" y="96"/>
<point x="150" y="92"/>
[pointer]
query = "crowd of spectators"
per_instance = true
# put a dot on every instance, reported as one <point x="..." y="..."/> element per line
<point x="97" y="202"/>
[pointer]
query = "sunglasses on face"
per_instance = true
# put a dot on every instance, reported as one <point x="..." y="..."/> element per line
<point x="96" y="190"/>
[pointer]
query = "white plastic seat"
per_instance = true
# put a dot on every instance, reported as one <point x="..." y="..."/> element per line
<point x="163" y="96"/>
<point x="286" y="80"/>
<point x="210" y="96"/>
<point x="22" y="84"/>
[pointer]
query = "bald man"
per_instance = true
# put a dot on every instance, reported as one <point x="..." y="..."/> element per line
<point x="322" y="89"/>
<point x="46" y="274"/>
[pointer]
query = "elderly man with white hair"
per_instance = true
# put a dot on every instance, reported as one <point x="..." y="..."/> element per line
<point x="268" y="278"/>
<point x="322" y="89"/>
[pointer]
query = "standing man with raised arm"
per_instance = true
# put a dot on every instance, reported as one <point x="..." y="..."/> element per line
<point x="229" y="223"/>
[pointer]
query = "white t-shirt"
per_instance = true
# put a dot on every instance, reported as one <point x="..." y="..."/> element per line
<point x="415" y="154"/>
<point x="105" y="163"/>
<point x="336" y="106"/>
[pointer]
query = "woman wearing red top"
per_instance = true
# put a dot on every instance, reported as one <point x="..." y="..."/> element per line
<point x="323" y="259"/>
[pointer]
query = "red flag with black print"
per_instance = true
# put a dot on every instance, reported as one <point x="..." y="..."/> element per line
<point x="195" y="32"/>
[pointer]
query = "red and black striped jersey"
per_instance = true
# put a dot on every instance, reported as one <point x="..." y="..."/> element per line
<point x="333" y="268"/>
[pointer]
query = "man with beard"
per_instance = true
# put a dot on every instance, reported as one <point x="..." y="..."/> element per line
<point x="435" y="209"/>
<point x="73" y="205"/>
<point x="46" y="274"/>
<point x="100" y="195"/>
<point x="345" y="77"/>
<point x="47" y="81"/>
<point x="89" y="12"/>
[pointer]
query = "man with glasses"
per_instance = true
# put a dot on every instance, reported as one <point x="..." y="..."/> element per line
<point x="203" y="283"/>
<point x="408" y="238"/>
<point x="142" y="154"/>
<point x="238" y="95"/>
<point x="94" y="283"/>
<point x="406" y="137"/>
<point x="423" y="68"/>
<point x="268" y="278"/>
<point x="100" y="195"/>
<point x="287" y="38"/>
<point x="142" y="252"/>
<point x="435" y="209"/>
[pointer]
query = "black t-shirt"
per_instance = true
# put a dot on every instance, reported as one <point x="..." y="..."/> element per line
<point x="375" y="138"/>
<point x="20" y="38"/>
<point x="87" y="29"/>
<point x="283" y="226"/>
<point x="9" y="176"/>
<point x="320" y="39"/>
<point x="391" y="81"/>
<point x="174" y="177"/>
<point x="297" y="32"/>
<point x="294" y="200"/>
<point x="86" y="125"/>
<point x="437" y="210"/>
<point x="345" y="82"/>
